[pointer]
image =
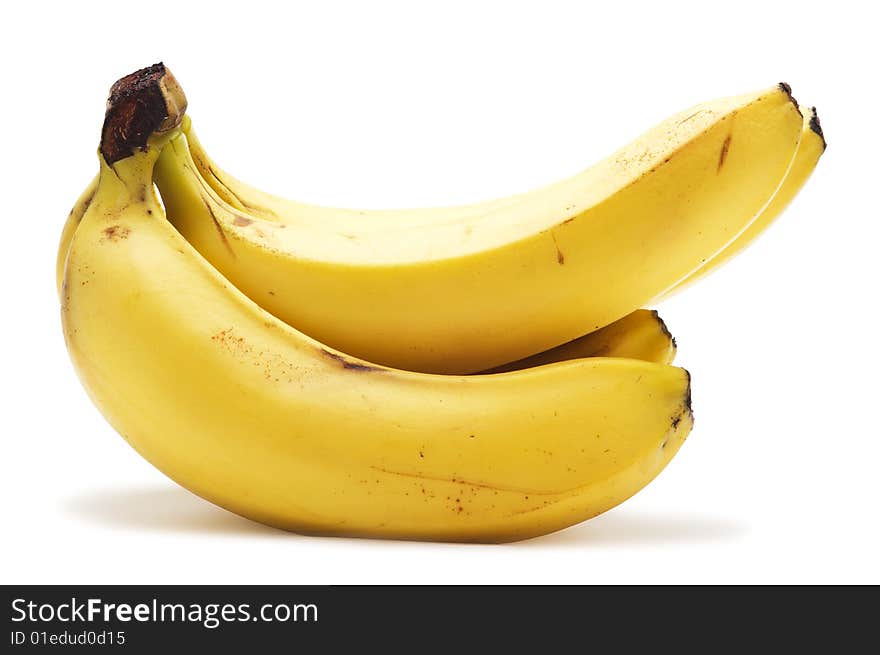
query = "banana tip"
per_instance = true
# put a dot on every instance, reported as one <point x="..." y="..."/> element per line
<point x="786" y="88"/>
<point x="816" y="126"/>
<point x="662" y="324"/>
<point x="687" y="396"/>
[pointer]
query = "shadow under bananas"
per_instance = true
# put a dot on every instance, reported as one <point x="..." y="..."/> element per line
<point x="620" y="527"/>
<point x="167" y="508"/>
<point x="173" y="509"/>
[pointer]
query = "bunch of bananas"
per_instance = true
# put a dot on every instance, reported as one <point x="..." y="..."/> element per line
<point x="399" y="373"/>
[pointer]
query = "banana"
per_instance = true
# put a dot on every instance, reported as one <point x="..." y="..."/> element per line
<point x="640" y="335"/>
<point x="257" y="417"/>
<point x="811" y="147"/>
<point x="430" y="295"/>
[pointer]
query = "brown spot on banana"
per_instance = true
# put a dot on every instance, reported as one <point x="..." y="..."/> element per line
<point x="694" y="115"/>
<point x="219" y="227"/>
<point x="350" y="364"/>
<point x="465" y="483"/>
<point x="560" y="257"/>
<point x="725" y="147"/>
<point x="116" y="232"/>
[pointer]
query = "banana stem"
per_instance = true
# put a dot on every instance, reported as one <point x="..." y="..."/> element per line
<point x="147" y="102"/>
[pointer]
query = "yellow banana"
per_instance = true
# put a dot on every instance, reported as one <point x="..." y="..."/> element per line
<point x="548" y="267"/>
<point x="809" y="150"/>
<point x="257" y="417"/>
<point x="640" y="335"/>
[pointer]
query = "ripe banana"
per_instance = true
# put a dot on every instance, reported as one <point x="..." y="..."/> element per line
<point x="547" y="266"/>
<point x="809" y="150"/>
<point x="259" y="418"/>
<point x="640" y="335"/>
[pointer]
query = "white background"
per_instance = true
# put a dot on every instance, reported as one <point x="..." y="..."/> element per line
<point x="412" y="104"/>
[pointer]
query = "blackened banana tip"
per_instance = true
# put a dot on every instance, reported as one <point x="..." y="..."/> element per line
<point x="687" y="397"/>
<point x="816" y="126"/>
<point x="663" y="326"/>
<point x="786" y="88"/>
